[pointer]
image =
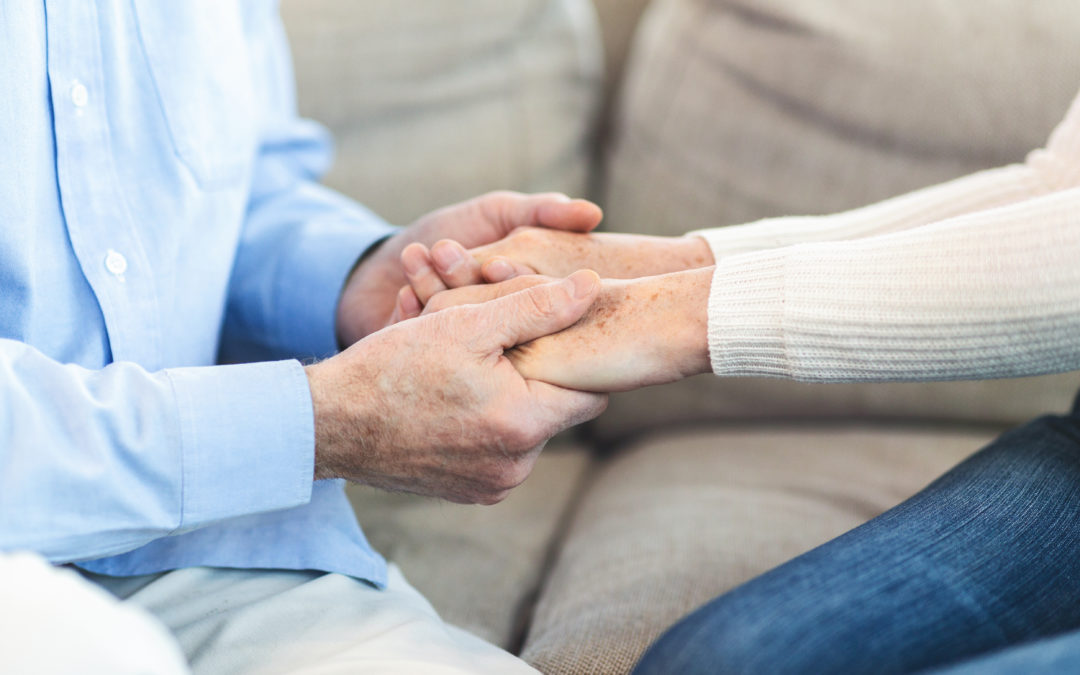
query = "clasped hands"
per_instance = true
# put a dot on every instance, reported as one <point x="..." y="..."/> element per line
<point x="647" y="325"/>
<point x="487" y="327"/>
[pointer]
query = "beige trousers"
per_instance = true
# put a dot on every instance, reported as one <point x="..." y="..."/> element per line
<point x="228" y="621"/>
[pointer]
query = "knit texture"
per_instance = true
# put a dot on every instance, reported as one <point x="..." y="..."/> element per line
<point x="974" y="279"/>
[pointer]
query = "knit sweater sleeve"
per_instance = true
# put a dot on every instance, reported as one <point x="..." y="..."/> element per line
<point x="1053" y="168"/>
<point x="994" y="293"/>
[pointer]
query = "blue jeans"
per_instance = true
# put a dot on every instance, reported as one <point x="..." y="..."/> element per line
<point x="985" y="558"/>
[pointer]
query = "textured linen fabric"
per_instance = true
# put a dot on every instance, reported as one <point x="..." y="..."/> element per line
<point x="740" y="110"/>
<point x="158" y="205"/>
<point x="720" y="507"/>
<point x="736" y="111"/>
<point x="435" y="102"/>
<point x="479" y="566"/>
<point x="287" y="622"/>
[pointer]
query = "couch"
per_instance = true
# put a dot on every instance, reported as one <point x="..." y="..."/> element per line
<point x="674" y="115"/>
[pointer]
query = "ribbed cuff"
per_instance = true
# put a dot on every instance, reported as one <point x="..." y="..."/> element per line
<point x="746" y="315"/>
<point x="248" y="439"/>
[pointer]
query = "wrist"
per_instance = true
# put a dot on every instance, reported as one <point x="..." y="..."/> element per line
<point x="681" y="322"/>
<point x="668" y="255"/>
<point x="328" y="426"/>
<point x="694" y="252"/>
<point x="362" y="305"/>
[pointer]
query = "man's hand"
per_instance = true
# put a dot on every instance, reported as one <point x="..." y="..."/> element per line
<point x="371" y="289"/>
<point x="531" y="250"/>
<point x="638" y="333"/>
<point x="434" y="407"/>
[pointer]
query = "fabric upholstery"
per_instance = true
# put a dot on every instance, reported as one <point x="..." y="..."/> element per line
<point x="679" y="518"/>
<point x="736" y="111"/>
<point x="432" y="103"/>
<point x="479" y="566"/>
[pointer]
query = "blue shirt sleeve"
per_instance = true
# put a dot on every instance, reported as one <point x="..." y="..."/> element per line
<point x="300" y="239"/>
<point x="125" y="448"/>
<point x="97" y="462"/>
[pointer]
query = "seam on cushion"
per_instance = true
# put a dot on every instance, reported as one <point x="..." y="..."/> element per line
<point x="526" y="609"/>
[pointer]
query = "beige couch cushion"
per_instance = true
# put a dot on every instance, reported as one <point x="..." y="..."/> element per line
<point x="676" y="520"/>
<point x="480" y="566"/>
<point x="734" y="111"/>
<point x="435" y="102"/>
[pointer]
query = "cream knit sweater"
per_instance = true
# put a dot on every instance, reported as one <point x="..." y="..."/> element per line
<point x="976" y="278"/>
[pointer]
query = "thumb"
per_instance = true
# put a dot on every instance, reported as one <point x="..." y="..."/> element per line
<point x="541" y="310"/>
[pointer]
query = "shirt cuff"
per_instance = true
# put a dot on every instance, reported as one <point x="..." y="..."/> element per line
<point x="247" y="439"/>
<point x="307" y="303"/>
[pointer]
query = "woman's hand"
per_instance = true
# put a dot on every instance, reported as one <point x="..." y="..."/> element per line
<point x="638" y="333"/>
<point x="533" y="250"/>
<point x="370" y="292"/>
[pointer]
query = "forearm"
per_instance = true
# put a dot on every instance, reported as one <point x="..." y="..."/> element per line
<point x="629" y="256"/>
<point x="640" y="332"/>
<point x="992" y="294"/>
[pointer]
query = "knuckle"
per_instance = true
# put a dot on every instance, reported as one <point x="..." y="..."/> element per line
<point x="493" y="498"/>
<point x="526" y="281"/>
<point x="510" y="476"/>
<point x="541" y="301"/>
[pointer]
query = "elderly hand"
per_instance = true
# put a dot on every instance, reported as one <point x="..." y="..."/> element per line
<point x="369" y="294"/>
<point x="531" y="250"/>
<point x="433" y="406"/>
<point x="638" y="333"/>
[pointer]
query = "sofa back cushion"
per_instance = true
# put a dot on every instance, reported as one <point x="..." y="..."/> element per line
<point x="435" y="102"/>
<point x="735" y="111"/>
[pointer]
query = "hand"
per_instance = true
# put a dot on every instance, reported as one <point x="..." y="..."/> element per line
<point x="433" y="406"/>
<point x="369" y="293"/>
<point x="638" y="333"/>
<point x="531" y="250"/>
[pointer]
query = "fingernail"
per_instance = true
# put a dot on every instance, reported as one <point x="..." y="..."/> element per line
<point x="447" y="257"/>
<point x="414" y="259"/>
<point x="499" y="270"/>
<point x="583" y="284"/>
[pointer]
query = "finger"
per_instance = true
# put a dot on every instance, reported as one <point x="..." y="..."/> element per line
<point x="454" y="265"/>
<point x="551" y="209"/>
<point x="395" y="315"/>
<point x="471" y="295"/>
<point x="408" y="306"/>
<point x="502" y="269"/>
<point x="540" y="310"/>
<point x="576" y="215"/>
<point x="564" y="408"/>
<point x="416" y="260"/>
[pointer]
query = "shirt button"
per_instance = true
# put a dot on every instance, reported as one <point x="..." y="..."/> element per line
<point x="79" y="95"/>
<point x="115" y="263"/>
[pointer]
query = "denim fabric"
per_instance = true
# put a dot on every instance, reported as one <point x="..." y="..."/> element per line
<point x="1053" y="655"/>
<point x="986" y="557"/>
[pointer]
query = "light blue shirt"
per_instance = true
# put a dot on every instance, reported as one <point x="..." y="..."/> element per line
<point x="159" y="215"/>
